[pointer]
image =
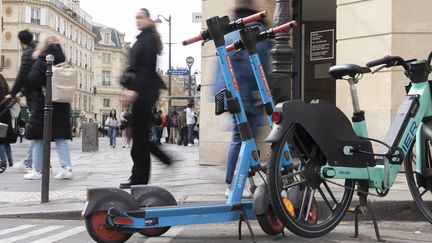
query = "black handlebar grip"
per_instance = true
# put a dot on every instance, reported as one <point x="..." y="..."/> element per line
<point x="384" y="60"/>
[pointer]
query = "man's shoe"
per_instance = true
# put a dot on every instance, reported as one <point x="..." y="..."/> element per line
<point x="10" y="163"/>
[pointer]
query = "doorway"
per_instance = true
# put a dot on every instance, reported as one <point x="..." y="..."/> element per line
<point x="314" y="41"/>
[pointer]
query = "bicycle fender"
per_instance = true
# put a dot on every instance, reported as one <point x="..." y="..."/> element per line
<point x="105" y="198"/>
<point x="261" y="200"/>
<point x="278" y="130"/>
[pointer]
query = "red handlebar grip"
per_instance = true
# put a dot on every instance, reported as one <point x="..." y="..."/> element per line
<point x="255" y="17"/>
<point x="193" y="40"/>
<point x="285" y="27"/>
<point x="230" y="48"/>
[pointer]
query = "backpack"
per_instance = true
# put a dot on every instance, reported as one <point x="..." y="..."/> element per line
<point x="157" y="120"/>
<point x="64" y="81"/>
<point x="174" y="121"/>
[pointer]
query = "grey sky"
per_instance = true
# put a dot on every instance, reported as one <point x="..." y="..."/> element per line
<point x="120" y="14"/>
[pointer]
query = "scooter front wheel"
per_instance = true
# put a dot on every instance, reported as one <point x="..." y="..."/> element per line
<point x="96" y="227"/>
<point x="295" y="194"/>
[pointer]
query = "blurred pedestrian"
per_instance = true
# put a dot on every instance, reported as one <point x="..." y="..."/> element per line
<point x="21" y="86"/>
<point x="190" y="121"/>
<point x="162" y="128"/>
<point x="6" y="118"/>
<point x="182" y="129"/>
<point x="125" y="129"/>
<point x="173" y="124"/>
<point x="113" y="124"/>
<point x="143" y="85"/>
<point x="156" y="123"/>
<point x="247" y="84"/>
<point x="61" y="131"/>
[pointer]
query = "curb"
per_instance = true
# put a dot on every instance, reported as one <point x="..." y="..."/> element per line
<point x="383" y="210"/>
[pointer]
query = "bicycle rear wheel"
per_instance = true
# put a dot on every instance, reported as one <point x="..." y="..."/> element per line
<point x="307" y="205"/>
<point x="420" y="184"/>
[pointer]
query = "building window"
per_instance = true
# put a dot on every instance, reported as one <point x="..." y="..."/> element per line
<point x="106" y="58"/>
<point x="35" y="15"/>
<point x="106" y="78"/>
<point x="106" y="102"/>
<point x="107" y="38"/>
<point x="36" y="36"/>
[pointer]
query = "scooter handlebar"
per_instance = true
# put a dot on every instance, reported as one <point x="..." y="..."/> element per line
<point x="234" y="25"/>
<point x="193" y="39"/>
<point x="269" y="34"/>
<point x="255" y="17"/>
<point x="285" y="27"/>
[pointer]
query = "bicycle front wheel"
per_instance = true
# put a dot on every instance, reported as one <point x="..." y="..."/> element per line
<point x="306" y="204"/>
<point x="420" y="184"/>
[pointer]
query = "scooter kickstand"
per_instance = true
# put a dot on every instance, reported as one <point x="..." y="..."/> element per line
<point x="243" y="218"/>
<point x="357" y="211"/>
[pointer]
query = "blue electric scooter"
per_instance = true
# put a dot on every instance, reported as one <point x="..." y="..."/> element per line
<point x="113" y="215"/>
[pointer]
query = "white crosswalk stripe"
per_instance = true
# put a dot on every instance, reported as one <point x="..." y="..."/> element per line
<point x="61" y="235"/>
<point x="31" y="234"/>
<point x="15" y="229"/>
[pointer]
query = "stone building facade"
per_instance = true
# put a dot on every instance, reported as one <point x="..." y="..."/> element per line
<point x="65" y="20"/>
<point x="111" y="53"/>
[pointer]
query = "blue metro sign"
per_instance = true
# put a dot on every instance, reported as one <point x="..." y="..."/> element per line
<point x="178" y="72"/>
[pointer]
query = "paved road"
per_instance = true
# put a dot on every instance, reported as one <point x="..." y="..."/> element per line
<point x="46" y="231"/>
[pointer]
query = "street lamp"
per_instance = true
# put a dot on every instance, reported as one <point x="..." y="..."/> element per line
<point x="159" y="21"/>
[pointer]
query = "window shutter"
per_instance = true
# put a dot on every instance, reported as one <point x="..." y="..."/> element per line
<point x="43" y="16"/>
<point x="28" y="14"/>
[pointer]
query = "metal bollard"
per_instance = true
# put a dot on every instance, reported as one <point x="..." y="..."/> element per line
<point x="47" y="129"/>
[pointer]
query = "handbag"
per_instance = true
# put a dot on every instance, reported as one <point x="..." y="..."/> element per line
<point x="127" y="78"/>
<point x="64" y="81"/>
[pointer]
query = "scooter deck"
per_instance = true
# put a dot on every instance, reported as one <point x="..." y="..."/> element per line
<point x="187" y="215"/>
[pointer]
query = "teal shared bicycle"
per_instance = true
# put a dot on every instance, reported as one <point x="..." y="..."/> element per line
<point x="334" y="158"/>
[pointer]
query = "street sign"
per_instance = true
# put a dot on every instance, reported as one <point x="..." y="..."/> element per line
<point x="196" y="17"/>
<point x="178" y="72"/>
<point x="190" y="61"/>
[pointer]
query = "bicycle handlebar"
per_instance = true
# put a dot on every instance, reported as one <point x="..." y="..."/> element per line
<point x="233" y="25"/>
<point x="268" y="34"/>
<point x="389" y="61"/>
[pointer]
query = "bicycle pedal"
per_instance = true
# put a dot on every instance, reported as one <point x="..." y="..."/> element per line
<point x="351" y="210"/>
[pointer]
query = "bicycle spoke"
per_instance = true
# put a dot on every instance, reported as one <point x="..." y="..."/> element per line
<point x="303" y="202"/>
<point x="330" y="193"/>
<point x="285" y="186"/>
<point x="309" y="205"/>
<point x="325" y="198"/>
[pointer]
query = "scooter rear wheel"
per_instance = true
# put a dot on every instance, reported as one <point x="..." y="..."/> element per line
<point x="270" y="223"/>
<point x="156" y="198"/>
<point x="95" y="224"/>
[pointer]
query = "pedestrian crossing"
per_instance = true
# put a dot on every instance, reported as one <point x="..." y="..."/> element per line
<point x="38" y="233"/>
<point x="35" y="233"/>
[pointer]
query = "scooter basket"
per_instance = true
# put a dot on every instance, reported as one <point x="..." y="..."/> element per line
<point x="220" y="103"/>
<point x="3" y="130"/>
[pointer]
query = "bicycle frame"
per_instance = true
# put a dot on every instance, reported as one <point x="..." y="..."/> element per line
<point x="419" y="99"/>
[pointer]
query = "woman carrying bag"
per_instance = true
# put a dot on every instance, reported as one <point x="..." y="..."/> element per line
<point x="143" y="85"/>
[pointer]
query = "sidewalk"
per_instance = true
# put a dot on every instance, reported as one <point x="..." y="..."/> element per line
<point x="188" y="181"/>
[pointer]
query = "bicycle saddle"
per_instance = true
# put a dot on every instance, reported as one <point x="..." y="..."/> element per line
<point x="339" y="71"/>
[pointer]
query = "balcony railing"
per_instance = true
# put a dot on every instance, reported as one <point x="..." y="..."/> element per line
<point x="71" y="13"/>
